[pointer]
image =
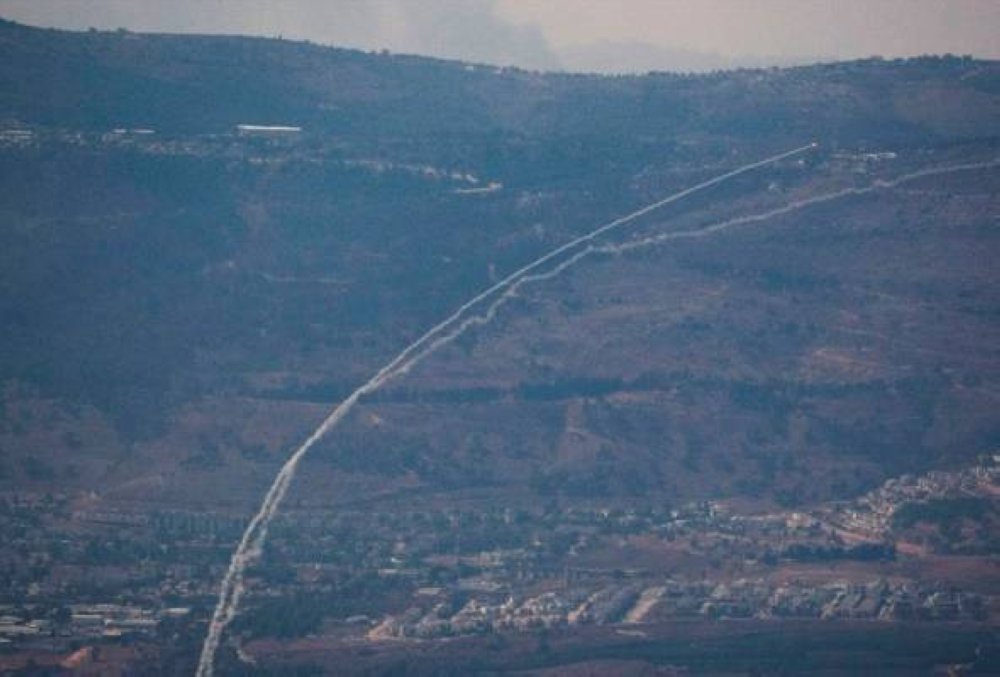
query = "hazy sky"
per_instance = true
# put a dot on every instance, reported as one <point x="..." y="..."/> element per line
<point x="594" y="34"/>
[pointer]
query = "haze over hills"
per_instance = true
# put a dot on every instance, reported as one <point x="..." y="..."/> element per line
<point x="638" y="57"/>
<point x="184" y="299"/>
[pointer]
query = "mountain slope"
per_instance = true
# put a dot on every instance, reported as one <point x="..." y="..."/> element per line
<point x="182" y="306"/>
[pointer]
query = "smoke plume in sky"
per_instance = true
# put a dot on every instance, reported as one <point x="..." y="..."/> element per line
<point x="602" y="35"/>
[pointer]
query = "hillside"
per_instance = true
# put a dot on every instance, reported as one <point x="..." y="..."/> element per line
<point x="152" y="278"/>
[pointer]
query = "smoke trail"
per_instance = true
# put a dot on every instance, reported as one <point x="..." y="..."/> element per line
<point x="252" y="541"/>
<point x="255" y="535"/>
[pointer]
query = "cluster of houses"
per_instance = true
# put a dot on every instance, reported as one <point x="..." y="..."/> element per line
<point x="483" y="615"/>
<point x="84" y="622"/>
<point x="872" y="513"/>
<point x="629" y="604"/>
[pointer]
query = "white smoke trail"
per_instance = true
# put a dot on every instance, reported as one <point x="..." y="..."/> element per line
<point x="878" y="184"/>
<point x="252" y="542"/>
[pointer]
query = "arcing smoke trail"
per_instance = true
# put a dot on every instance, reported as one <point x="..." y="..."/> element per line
<point x="514" y="286"/>
<point x="251" y="544"/>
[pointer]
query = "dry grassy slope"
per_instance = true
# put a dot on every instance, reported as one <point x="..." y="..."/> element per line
<point x="805" y="358"/>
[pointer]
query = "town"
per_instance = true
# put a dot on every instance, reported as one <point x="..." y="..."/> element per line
<point x="81" y="573"/>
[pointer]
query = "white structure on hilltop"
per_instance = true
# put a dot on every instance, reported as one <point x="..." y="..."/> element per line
<point x="267" y="130"/>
